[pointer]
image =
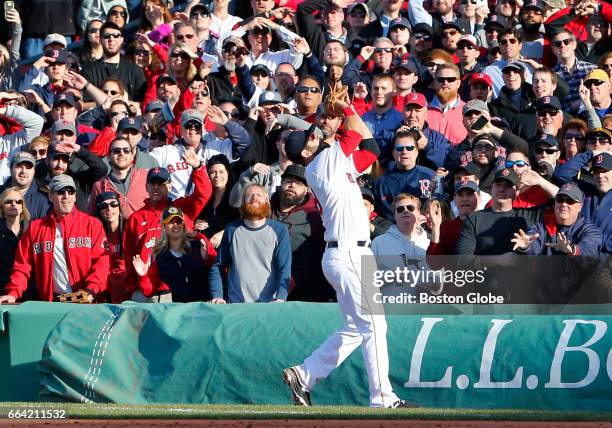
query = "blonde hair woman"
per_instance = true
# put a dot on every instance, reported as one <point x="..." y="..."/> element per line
<point x="180" y="64"/>
<point x="14" y="218"/>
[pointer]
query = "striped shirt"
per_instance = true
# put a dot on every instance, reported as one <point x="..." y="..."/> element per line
<point x="573" y="77"/>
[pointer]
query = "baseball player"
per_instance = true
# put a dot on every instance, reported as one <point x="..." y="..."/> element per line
<point x="331" y="173"/>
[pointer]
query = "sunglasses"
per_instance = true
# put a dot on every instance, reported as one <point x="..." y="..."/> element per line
<point x="400" y="149"/>
<point x="119" y="150"/>
<point x="110" y="92"/>
<point x="141" y="52"/>
<point x="505" y="42"/>
<point x="573" y="137"/>
<point x="551" y="113"/>
<point x="447" y="34"/>
<point x="13" y="201"/>
<point x="483" y="148"/>
<point x="606" y="66"/>
<point x="385" y="50"/>
<point x="547" y="151"/>
<point x="94" y="30"/>
<point x="182" y="55"/>
<point x="305" y="89"/>
<point x="468" y="46"/>
<point x="231" y="114"/>
<point x="519" y="163"/>
<point x="117" y="113"/>
<point x="400" y="209"/>
<point x="193" y="125"/>
<point x="39" y="152"/>
<point x="590" y="83"/>
<point x="108" y="36"/>
<point x="203" y="93"/>
<point x="118" y="13"/>
<point x="107" y="205"/>
<point x="600" y="140"/>
<point x="66" y="190"/>
<point x="564" y="200"/>
<point x="424" y="37"/>
<point x="468" y="1"/>
<point x="432" y="64"/>
<point x="560" y="43"/>
<point x="196" y="15"/>
<point x="185" y="36"/>
<point x="358" y="14"/>
<point x="446" y="79"/>
<point x="510" y="70"/>
<point x="176" y="220"/>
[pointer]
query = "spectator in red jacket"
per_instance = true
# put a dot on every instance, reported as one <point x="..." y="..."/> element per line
<point x="65" y="250"/>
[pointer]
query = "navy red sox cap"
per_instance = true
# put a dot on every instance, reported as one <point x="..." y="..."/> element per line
<point x="66" y="98"/>
<point x="158" y="173"/>
<point x="507" y="174"/>
<point x="602" y="161"/>
<point x="466" y="184"/>
<point x="129" y="123"/>
<point x="548" y="140"/>
<point x="572" y="191"/>
<point x="533" y="4"/>
<point x="548" y="102"/>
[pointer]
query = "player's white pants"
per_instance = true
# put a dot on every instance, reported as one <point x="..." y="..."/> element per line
<point x="342" y="268"/>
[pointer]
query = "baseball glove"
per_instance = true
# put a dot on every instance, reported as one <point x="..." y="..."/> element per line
<point x="338" y="92"/>
<point x="81" y="296"/>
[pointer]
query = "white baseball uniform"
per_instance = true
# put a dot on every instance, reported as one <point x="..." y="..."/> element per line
<point x="331" y="176"/>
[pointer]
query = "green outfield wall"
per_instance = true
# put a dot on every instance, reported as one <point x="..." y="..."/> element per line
<point x="201" y="353"/>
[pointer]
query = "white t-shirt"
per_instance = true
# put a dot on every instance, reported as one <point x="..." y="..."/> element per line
<point x="61" y="283"/>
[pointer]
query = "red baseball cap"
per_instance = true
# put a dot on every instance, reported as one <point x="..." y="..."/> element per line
<point x="481" y="78"/>
<point x="415" y="98"/>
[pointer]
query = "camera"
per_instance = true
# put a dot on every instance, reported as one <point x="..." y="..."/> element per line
<point x="545" y="169"/>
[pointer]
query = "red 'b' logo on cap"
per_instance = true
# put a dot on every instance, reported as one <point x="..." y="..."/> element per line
<point x="599" y="159"/>
<point x="547" y="100"/>
<point x="156" y="170"/>
<point x="414" y="97"/>
<point x="567" y="186"/>
<point x="506" y="172"/>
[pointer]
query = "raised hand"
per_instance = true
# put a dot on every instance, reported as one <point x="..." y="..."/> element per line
<point x="366" y="52"/>
<point x="75" y="80"/>
<point x="301" y="46"/>
<point x="216" y="115"/>
<point x="192" y="159"/>
<point x="140" y="267"/>
<point x="521" y="240"/>
<point x="360" y="91"/>
<point x="563" y="244"/>
<point x="260" y="168"/>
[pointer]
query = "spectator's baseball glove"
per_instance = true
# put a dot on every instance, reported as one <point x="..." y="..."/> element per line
<point x="81" y="296"/>
<point x="338" y="92"/>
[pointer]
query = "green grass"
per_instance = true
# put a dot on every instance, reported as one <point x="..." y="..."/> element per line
<point x="218" y="411"/>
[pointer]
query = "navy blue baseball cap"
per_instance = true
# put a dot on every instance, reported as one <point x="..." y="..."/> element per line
<point x="507" y="174"/>
<point x="466" y="184"/>
<point x="261" y="69"/>
<point x="158" y="173"/>
<point x="547" y="101"/>
<point x="602" y="161"/>
<point x="548" y="140"/>
<point x="129" y="123"/>
<point x="105" y="196"/>
<point x="572" y="191"/>
<point x="295" y="143"/>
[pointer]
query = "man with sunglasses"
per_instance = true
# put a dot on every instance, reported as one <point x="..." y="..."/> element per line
<point x="531" y="18"/>
<point x="113" y="64"/>
<point x="534" y="188"/>
<point x="546" y="153"/>
<point x="23" y="167"/>
<point x="405" y="176"/>
<point x="598" y="84"/>
<point x="200" y="18"/>
<point x="570" y="68"/>
<point x="566" y="232"/>
<point x="445" y="113"/>
<point x="66" y="157"/>
<point x="66" y="250"/>
<point x="598" y="199"/>
<point x="125" y="179"/>
<point x="381" y="53"/>
<point x="222" y="83"/>
<point x="510" y="43"/>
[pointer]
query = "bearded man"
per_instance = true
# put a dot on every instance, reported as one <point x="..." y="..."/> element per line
<point x="222" y="83"/>
<point x="445" y="112"/>
<point x="254" y="257"/>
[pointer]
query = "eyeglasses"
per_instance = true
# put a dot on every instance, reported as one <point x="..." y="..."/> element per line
<point x="551" y="113"/>
<point x="117" y="113"/>
<point x="13" y="201"/>
<point x="107" y="205"/>
<point x="401" y="208"/>
<point x="141" y="52"/>
<point x="443" y="79"/>
<point x="182" y="55"/>
<point x="117" y="13"/>
<point x="468" y="46"/>
<point x="596" y="140"/>
<point x="424" y="37"/>
<point x="111" y="92"/>
<point x="483" y="148"/>
<point x="185" y="36"/>
<point x="385" y="50"/>
<point x="565" y="200"/>
<point x="119" y="150"/>
<point x="305" y="89"/>
<point x="541" y="151"/>
<point x="196" y="15"/>
<point x="231" y="114"/>
<point x="573" y="137"/>
<point x="400" y="149"/>
<point x="94" y="30"/>
<point x="518" y="163"/>
<point x="39" y="152"/>
<point x="447" y="34"/>
<point x="193" y="125"/>
<point x="560" y="43"/>
<point x="66" y="190"/>
<point x="505" y="42"/>
<point x="590" y="83"/>
<point x="108" y="36"/>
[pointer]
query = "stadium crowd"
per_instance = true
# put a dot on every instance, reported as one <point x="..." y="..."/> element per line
<point x="146" y="147"/>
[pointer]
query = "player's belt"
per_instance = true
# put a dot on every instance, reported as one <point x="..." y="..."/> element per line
<point x="334" y="244"/>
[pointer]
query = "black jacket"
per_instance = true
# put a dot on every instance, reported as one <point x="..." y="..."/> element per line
<point x="126" y="71"/>
<point x="8" y="247"/>
<point x="503" y="106"/>
<point x="42" y="17"/>
<point x="221" y="87"/>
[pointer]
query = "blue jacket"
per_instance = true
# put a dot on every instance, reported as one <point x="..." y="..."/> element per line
<point x="415" y="181"/>
<point x="383" y="129"/>
<point x="434" y="154"/>
<point x="583" y="234"/>
<point x="257" y="262"/>
<point x="596" y="207"/>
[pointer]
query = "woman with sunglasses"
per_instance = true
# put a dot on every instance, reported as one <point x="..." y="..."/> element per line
<point x="181" y="65"/>
<point x="572" y="139"/>
<point x="14" y="218"/>
<point x="605" y="63"/>
<point x="155" y="18"/>
<point x="179" y="267"/>
<point x="92" y="48"/>
<point x="108" y="210"/>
